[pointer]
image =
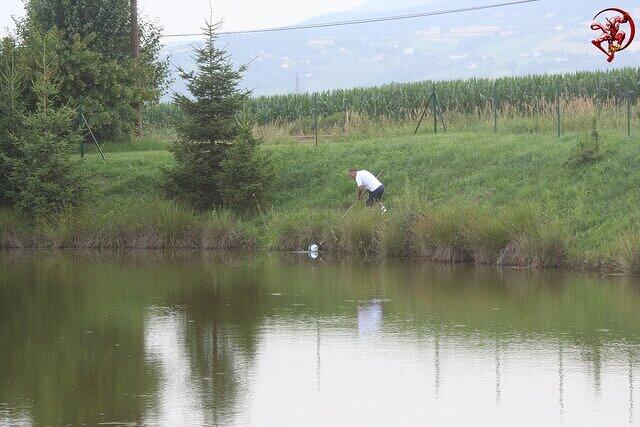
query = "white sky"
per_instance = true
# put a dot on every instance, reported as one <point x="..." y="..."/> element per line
<point x="188" y="15"/>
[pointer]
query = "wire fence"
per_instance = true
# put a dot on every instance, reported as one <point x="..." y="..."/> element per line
<point x="534" y="104"/>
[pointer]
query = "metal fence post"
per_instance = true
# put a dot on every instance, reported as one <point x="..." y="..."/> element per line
<point x="558" y="110"/>
<point x="629" y="114"/>
<point x="435" y="109"/>
<point x="315" y="116"/>
<point x="495" y="109"/>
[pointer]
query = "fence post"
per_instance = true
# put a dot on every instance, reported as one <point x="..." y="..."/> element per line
<point x="558" y="110"/>
<point x="629" y="114"/>
<point x="315" y="116"/>
<point x="495" y="109"/>
<point x="435" y="109"/>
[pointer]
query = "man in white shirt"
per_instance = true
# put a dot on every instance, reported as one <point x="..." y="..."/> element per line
<point x="366" y="181"/>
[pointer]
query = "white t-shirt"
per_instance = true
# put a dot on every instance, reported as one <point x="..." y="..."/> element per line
<point x="367" y="179"/>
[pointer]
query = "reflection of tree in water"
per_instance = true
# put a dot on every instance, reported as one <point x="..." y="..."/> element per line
<point x="225" y="309"/>
<point x="61" y="341"/>
<point x="218" y="309"/>
<point x="73" y="334"/>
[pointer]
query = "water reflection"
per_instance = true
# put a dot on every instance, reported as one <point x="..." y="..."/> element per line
<point x="178" y="397"/>
<point x="165" y="339"/>
<point x="369" y="316"/>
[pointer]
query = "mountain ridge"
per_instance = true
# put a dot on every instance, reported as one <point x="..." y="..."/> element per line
<point x="535" y="38"/>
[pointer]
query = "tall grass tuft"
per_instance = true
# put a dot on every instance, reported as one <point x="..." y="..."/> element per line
<point x="296" y="230"/>
<point x="627" y="253"/>
<point x="534" y="241"/>
<point x="361" y="233"/>
<point x="14" y="231"/>
<point x="439" y="233"/>
<point x="220" y="230"/>
<point x="142" y="224"/>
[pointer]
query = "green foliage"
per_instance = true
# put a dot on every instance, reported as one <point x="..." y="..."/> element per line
<point x="97" y="73"/>
<point x="245" y="173"/>
<point x="208" y="125"/>
<point x="588" y="148"/>
<point x="11" y="110"/>
<point x="491" y="199"/>
<point x="44" y="180"/>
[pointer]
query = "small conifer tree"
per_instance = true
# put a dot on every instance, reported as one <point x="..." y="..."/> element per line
<point x="208" y="124"/>
<point x="11" y="110"/>
<point x="44" y="178"/>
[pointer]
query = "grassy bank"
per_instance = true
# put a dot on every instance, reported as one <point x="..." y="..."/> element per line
<point x="506" y="200"/>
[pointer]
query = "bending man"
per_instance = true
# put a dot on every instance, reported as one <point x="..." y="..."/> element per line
<point x="366" y="181"/>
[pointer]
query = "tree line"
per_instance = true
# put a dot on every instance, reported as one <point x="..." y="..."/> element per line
<point x="72" y="58"/>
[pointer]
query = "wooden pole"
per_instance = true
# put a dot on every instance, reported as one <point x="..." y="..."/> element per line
<point x="135" y="53"/>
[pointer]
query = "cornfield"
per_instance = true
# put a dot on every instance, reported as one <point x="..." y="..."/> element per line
<point x="403" y="101"/>
<point x="528" y="96"/>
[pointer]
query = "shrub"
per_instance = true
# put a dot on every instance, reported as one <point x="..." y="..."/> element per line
<point x="588" y="148"/>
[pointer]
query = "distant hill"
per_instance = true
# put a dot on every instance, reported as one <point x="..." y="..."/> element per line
<point x="544" y="37"/>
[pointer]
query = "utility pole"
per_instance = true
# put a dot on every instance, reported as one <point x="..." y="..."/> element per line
<point x="135" y="52"/>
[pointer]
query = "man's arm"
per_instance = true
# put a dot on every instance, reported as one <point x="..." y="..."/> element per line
<point x="361" y="190"/>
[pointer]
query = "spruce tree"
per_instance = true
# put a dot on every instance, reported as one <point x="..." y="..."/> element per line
<point x="245" y="172"/>
<point x="44" y="179"/>
<point x="208" y="124"/>
<point x="11" y="110"/>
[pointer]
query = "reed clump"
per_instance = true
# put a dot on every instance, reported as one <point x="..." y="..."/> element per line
<point x="14" y="231"/>
<point x="135" y="224"/>
<point x="627" y="253"/>
<point x="296" y="230"/>
<point x="361" y="233"/>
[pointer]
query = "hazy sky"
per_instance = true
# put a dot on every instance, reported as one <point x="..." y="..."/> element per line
<point x="188" y="15"/>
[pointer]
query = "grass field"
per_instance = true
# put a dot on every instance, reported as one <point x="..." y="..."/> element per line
<point x="505" y="199"/>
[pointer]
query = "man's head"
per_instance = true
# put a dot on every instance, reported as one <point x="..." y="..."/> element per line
<point x="352" y="173"/>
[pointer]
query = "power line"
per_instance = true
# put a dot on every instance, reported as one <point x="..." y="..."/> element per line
<point x="362" y="21"/>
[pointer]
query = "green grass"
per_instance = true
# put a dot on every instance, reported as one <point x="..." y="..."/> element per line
<point x="456" y="197"/>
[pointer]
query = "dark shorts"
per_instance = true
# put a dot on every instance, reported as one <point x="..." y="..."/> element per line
<point x="375" y="195"/>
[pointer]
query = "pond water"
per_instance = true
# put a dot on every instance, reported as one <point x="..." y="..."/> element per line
<point x="208" y="339"/>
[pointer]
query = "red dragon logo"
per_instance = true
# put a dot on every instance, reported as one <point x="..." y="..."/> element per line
<point x="612" y="34"/>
